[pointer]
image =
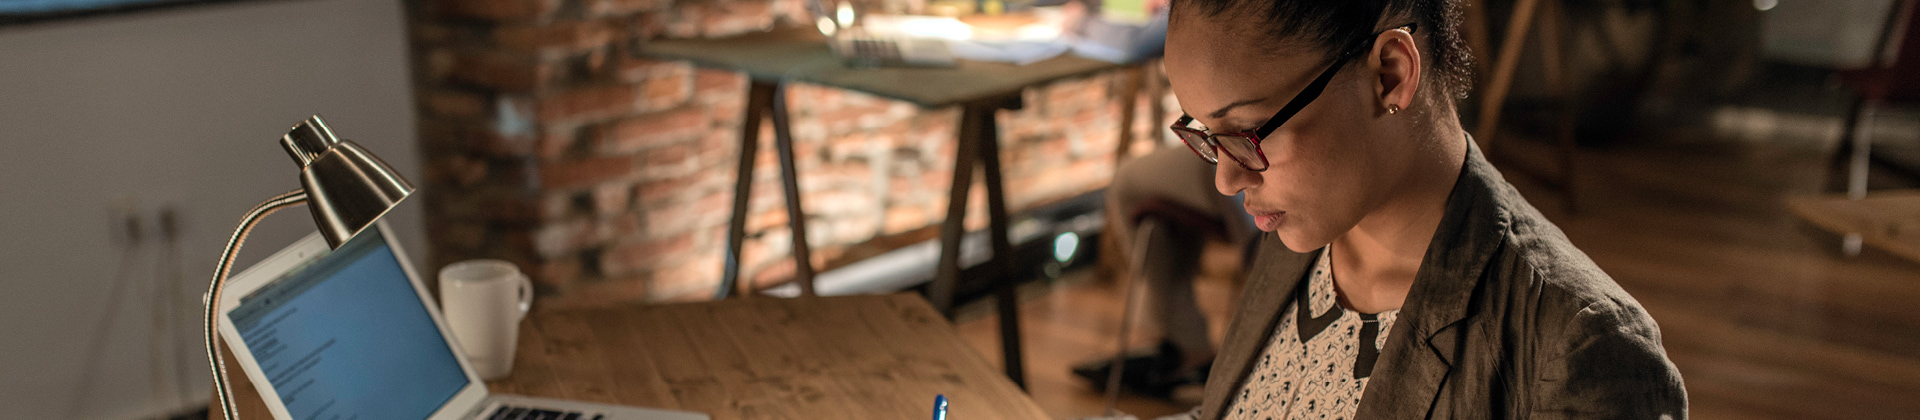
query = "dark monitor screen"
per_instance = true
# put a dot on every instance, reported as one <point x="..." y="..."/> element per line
<point x="24" y="11"/>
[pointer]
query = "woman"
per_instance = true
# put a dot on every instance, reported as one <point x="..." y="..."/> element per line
<point x="1399" y="275"/>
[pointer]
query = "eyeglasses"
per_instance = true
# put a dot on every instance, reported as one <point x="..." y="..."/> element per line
<point x="1244" y="147"/>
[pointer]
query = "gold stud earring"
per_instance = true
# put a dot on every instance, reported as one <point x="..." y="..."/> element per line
<point x="1393" y="109"/>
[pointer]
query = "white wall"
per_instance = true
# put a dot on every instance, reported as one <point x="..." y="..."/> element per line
<point x="176" y="108"/>
<point x="1825" y="33"/>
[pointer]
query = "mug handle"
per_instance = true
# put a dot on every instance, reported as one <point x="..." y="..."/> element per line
<point x="526" y="295"/>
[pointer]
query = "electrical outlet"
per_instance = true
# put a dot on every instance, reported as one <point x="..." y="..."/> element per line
<point x="125" y="227"/>
<point x="169" y="222"/>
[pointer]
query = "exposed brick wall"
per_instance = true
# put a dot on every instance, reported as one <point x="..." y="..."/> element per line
<point x="608" y="177"/>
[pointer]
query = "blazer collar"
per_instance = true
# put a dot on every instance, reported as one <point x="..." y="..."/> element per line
<point x="1421" y="349"/>
<point x="1473" y="229"/>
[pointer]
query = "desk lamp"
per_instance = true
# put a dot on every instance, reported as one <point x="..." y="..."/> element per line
<point x="348" y="189"/>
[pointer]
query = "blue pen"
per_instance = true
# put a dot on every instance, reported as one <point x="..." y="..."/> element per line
<point x="940" y="407"/>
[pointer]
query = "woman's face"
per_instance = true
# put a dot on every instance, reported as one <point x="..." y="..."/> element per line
<point x="1327" y="167"/>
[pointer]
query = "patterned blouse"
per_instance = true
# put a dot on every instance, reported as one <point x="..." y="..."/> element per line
<point x="1317" y="363"/>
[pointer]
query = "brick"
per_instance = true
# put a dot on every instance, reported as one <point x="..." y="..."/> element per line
<point x="709" y="80"/>
<point x="673" y="155"/>
<point x="503" y="71"/>
<point x="713" y="209"/>
<point x="772" y="274"/>
<point x="554" y="204"/>
<point x="611" y="198"/>
<point x="574" y="174"/>
<point x="457" y="170"/>
<point x="563" y="238"/>
<point x="653" y="130"/>
<point x="453" y="103"/>
<point x="485" y="203"/>
<point x="591" y="102"/>
<point x="646" y="255"/>
<point x="431" y="33"/>
<point x="669" y="86"/>
<point x="554" y="40"/>
<point x="497" y="10"/>
<point x="514" y="210"/>
<point x="556" y="273"/>
<point x="632" y="69"/>
<point x="490" y="142"/>
<point x="903" y="218"/>
<point x="600" y="8"/>
<point x="760" y="221"/>
<point x="720" y="150"/>
<point x="555" y="144"/>
<point x="435" y="65"/>
<point x="610" y="177"/>
<point x="655" y="191"/>
<point x="455" y="237"/>
<point x="695" y="280"/>
<point x="669" y="218"/>
<point x="796" y="10"/>
<point x="737" y="17"/>
<point x="684" y="20"/>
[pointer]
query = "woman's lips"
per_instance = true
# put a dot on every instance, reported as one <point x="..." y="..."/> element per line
<point x="1267" y="221"/>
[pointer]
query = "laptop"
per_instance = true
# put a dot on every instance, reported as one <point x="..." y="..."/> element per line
<point x="862" y="50"/>
<point x="353" y="334"/>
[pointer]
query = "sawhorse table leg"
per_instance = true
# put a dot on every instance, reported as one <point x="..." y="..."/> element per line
<point x="766" y="99"/>
<point x="979" y="143"/>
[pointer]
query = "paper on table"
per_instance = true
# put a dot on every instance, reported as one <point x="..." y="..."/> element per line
<point x="1121" y="42"/>
<point x="1016" y="52"/>
<point x="1020" y="44"/>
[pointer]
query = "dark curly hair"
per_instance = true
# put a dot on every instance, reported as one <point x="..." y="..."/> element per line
<point x="1333" y="26"/>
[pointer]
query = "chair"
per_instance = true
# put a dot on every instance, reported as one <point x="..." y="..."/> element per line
<point x="1550" y="12"/>
<point x="1153" y="217"/>
<point x="1892" y="77"/>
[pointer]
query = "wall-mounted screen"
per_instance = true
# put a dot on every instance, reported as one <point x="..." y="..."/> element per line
<point x="23" y="11"/>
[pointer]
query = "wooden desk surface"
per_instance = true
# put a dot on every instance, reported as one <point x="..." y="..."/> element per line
<point x="850" y="357"/>
<point x="802" y="55"/>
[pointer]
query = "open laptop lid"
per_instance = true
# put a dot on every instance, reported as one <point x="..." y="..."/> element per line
<point x="349" y="332"/>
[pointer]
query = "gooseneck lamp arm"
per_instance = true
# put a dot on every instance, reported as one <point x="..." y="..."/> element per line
<point x="348" y="189"/>
<point x="220" y="271"/>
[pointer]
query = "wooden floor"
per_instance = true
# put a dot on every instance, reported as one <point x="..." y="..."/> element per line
<point x="1762" y="314"/>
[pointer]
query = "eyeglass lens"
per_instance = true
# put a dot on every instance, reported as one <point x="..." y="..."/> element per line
<point x="1240" y="148"/>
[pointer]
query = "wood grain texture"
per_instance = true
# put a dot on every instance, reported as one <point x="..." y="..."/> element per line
<point x="850" y="357"/>
<point x="1758" y="308"/>
<point x="1889" y="220"/>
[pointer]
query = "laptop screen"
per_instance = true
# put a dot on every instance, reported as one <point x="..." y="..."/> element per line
<point x="347" y="337"/>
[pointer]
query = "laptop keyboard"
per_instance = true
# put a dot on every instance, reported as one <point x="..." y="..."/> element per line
<point x="508" y="412"/>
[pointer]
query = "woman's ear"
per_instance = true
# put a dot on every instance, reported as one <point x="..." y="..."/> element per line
<point x="1395" y="59"/>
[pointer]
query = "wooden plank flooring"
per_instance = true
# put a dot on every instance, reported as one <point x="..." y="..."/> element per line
<point x="1763" y="315"/>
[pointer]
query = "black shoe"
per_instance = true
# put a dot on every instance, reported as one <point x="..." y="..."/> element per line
<point x="1154" y="374"/>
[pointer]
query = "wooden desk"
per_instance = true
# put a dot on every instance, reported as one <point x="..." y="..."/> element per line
<point x="773" y="59"/>
<point x="848" y="357"/>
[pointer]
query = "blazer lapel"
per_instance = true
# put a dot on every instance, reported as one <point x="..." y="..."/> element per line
<point x="1273" y="278"/>
<point x="1422" y="347"/>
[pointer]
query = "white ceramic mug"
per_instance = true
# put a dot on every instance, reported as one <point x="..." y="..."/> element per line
<point x="484" y="301"/>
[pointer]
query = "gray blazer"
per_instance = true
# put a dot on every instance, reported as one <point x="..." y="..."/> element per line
<point x="1505" y="320"/>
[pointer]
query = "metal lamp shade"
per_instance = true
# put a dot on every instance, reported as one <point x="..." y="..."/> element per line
<point x="348" y="187"/>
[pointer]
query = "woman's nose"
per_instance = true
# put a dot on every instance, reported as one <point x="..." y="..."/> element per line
<point x="1230" y="178"/>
